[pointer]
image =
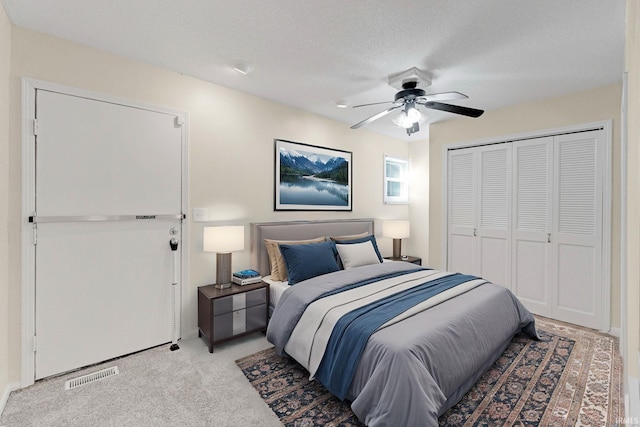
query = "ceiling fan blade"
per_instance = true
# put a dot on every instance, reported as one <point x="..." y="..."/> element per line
<point x="445" y="96"/>
<point x="375" y="117"/>
<point x="373" y="103"/>
<point x="456" y="109"/>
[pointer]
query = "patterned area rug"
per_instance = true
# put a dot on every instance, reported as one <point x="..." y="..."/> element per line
<point x="571" y="377"/>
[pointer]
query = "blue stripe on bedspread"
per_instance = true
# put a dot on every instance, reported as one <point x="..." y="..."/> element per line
<point x="352" y="331"/>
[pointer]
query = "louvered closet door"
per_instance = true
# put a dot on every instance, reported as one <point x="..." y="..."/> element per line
<point x="577" y="234"/>
<point x="532" y="217"/>
<point x="480" y="212"/>
<point x="494" y="214"/>
<point x="462" y="252"/>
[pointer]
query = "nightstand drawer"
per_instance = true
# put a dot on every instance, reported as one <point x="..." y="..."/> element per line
<point x="239" y="301"/>
<point x="239" y="321"/>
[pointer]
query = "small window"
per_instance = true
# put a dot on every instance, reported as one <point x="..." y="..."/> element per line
<point x="396" y="180"/>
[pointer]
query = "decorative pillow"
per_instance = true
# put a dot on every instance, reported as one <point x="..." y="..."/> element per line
<point x="351" y="237"/>
<point x="309" y="260"/>
<point x="357" y="254"/>
<point x="278" y="267"/>
<point x="368" y="238"/>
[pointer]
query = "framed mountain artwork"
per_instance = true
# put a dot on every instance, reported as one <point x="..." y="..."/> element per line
<point x="308" y="177"/>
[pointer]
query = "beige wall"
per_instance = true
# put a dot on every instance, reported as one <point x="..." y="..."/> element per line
<point x="583" y="107"/>
<point x="632" y="315"/>
<point x="5" y="66"/>
<point x="418" y="244"/>
<point x="231" y="150"/>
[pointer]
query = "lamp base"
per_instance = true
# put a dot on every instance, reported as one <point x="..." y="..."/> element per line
<point x="223" y="270"/>
<point x="397" y="248"/>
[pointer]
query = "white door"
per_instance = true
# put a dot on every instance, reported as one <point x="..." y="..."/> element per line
<point x="494" y="214"/>
<point x="479" y="194"/>
<point x="577" y="232"/>
<point x="532" y="223"/>
<point x="529" y="215"/>
<point x="108" y="200"/>
<point x="462" y="251"/>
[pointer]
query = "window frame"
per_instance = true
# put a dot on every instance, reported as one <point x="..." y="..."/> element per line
<point x="403" y="180"/>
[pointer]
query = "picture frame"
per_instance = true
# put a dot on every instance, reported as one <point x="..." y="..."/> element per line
<point x="312" y="178"/>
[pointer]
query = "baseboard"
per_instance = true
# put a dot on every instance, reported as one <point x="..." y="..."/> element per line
<point x="616" y="332"/>
<point x="5" y="395"/>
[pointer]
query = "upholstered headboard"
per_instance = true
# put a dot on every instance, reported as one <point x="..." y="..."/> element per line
<point x="299" y="230"/>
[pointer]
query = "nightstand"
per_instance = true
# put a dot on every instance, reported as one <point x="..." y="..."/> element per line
<point x="411" y="259"/>
<point x="224" y="314"/>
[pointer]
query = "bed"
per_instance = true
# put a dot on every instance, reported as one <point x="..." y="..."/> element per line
<point x="402" y="343"/>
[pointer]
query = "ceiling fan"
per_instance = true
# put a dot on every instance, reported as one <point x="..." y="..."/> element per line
<point x="409" y="98"/>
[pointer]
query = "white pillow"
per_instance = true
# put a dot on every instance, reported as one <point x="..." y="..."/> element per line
<point x="357" y="254"/>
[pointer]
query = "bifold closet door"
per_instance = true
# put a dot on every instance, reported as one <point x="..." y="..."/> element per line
<point x="532" y="223"/>
<point x="528" y="215"/>
<point x="494" y="214"/>
<point x="479" y="197"/>
<point x="462" y="252"/>
<point x="577" y="232"/>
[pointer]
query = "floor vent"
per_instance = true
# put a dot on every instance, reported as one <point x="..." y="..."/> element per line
<point x="86" y="379"/>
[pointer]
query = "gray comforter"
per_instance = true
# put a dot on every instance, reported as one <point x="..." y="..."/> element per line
<point x="413" y="371"/>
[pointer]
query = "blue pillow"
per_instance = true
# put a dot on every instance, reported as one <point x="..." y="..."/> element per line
<point x="371" y="238"/>
<point x="310" y="260"/>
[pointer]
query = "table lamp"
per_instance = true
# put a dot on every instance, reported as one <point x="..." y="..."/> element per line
<point x="223" y="240"/>
<point x="397" y="230"/>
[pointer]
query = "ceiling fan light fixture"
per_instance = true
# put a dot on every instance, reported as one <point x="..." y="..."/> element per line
<point x="408" y="117"/>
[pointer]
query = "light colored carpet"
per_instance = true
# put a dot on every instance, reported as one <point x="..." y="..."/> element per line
<point x="157" y="387"/>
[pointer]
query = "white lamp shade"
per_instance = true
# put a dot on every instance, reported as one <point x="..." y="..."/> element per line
<point x="223" y="239"/>
<point x="395" y="229"/>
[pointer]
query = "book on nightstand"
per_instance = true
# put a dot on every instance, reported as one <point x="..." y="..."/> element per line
<point x="246" y="274"/>
<point x="239" y="281"/>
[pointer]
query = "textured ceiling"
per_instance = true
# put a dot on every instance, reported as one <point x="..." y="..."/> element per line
<point x="312" y="54"/>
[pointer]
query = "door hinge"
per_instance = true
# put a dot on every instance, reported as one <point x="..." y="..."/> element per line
<point x="35" y="343"/>
<point x="35" y="234"/>
<point x="548" y="237"/>
<point x="35" y="127"/>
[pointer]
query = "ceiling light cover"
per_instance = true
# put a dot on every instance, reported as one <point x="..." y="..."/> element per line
<point x="408" y="117"/>
<point x="243" y="67"/>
